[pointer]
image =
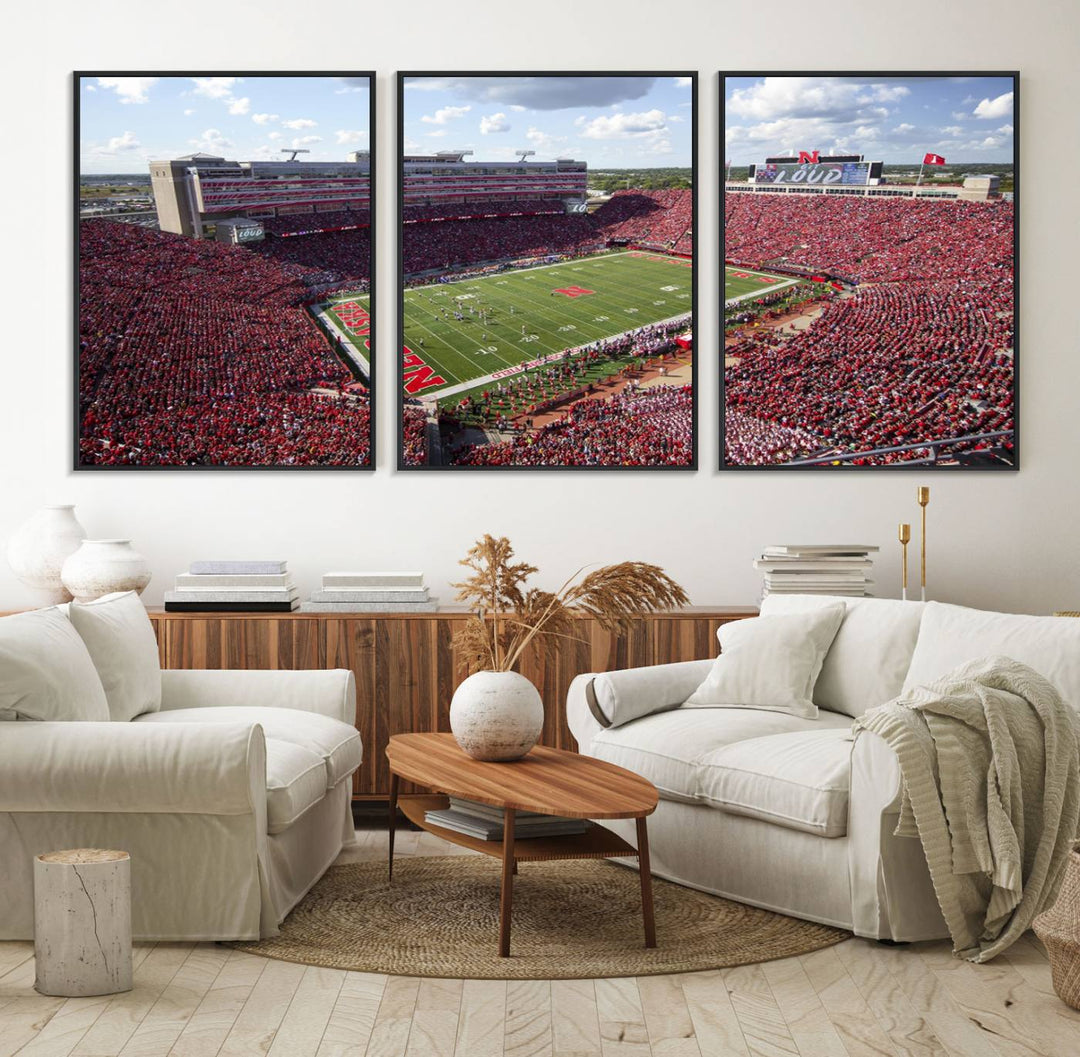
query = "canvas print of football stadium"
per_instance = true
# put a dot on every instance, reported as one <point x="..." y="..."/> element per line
<point x="547" y="270"/>
<point x="219" y="218"/>
<point x="870" y="271"/>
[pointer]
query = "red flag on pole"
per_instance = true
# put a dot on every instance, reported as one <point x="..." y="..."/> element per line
<point x="933" y="159"/>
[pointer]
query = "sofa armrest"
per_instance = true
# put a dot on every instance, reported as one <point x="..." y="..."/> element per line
<point x="892" y="896"/>
<point x="596" y="701"/>
<point x="330" y="692"/>
<point x="187" y="768"/>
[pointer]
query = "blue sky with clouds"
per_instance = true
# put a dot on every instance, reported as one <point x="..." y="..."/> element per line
<point x="125" y="122"/>
<point x="609" y="122"/>
<point x="890" y="119"/>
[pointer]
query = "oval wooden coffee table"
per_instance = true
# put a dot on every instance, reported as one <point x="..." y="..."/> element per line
<point x="549" y="781"/>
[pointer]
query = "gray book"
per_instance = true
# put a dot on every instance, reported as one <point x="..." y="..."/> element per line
<point x="245" y="582"/>
<point x="221" y="566"/>
<point x="347" y="579"/>
<point x="227" y="595"/>
<point x="361" y="594"/>
<point x="370" y="607"/>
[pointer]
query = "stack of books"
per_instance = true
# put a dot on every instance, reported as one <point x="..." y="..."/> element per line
<point x="371" y="593"/>
<point x="234" y="587"/>
<point x="817" y="569"/>
<point x="486" y="822"/>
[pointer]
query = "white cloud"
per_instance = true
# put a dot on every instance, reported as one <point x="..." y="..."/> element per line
<point x="952" y="130"/>
<point x="239" y="107"/>
<point x="789" y="97"/>
<point x="188" y="112"/>
<point x="445" y="114"/>
<point x="90" y="88"/>
<point x="274" y="135"/>
<point x="683" y="82"/>
<point x="214" y="87"/>
<point x="517" y="108"/>
<point x="543" y="142"/>
<point x="625" y="126"/>
<point x="991" y="109"/>
<point x="212" y="141"/>
<point x="305" y="141"/>
<point x="121" y="144"/>
<point x="264" y="119"/>
<point x="436" y="132"/>
<point x="1006" y="130"/>
<point x="904" y="127"/>
<point x="129" y="89"/>
<point x="298" y="123"/>
<point x="494" y="123"/>
<point x="348" y="136"/>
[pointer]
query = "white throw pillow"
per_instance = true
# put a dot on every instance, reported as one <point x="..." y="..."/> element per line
<point x="45" y="670"/>
<point x="120" y="638"/>
<point x="871" y="654"/>
<point x="770" y="663"/>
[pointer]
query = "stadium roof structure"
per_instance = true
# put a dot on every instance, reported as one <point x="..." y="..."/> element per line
<point x="199" y="156"/>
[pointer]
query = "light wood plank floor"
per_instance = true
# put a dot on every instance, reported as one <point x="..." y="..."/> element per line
<point x="857" y="999"/>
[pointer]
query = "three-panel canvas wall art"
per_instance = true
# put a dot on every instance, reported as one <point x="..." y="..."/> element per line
<point x="548" y="311"/>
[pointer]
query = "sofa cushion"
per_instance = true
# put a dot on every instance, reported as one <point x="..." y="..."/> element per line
<point x="953" y="635"/>
<point x="668" y="748"/>
<point x="799" y="780"/>
<point x="621" y="696"/>
<point x="295" y="780"/>
<point x="45" y="670"/>
<point x="869" y="658"/>
<point x="121" y="642"/>
<point x="770" y="662"/>
<point x="336" y="743"/>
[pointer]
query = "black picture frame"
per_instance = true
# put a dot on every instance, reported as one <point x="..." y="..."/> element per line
<point x="78" y="465"/>
<point x="404" y="76"/>
<point x="824" y="462"/>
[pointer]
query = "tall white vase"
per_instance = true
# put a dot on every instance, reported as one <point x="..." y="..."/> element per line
<point x="496" y="715"/>
<point x="37" y="551"/>
<point x="100" y="567"/>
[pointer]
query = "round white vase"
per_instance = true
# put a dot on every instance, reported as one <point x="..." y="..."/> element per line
<point x="496" y="715"/>
<point x="37" y="551"/>
<point x="100" y="567"/>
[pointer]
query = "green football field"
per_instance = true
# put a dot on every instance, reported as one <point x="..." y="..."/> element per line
<point x="741" y="283"/>
<point x="477" y="327"/>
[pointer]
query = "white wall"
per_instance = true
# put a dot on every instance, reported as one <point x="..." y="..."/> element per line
<point x="996" y="540"/>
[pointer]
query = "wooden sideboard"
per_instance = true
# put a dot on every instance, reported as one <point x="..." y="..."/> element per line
<point x="406" y="667"/>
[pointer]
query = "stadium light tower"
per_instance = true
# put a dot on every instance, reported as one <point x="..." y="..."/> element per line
<point x="294" y="151"/>
<point x="523" y="154"/>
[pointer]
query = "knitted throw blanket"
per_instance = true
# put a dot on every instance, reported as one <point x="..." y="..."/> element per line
<point x="990" y="761"/>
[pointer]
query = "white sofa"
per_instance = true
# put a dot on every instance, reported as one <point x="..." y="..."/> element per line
<point x="232" y="793"/>
<point x="793" y="814"/>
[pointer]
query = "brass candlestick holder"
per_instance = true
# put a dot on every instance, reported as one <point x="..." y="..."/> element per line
<point x="923" y="496"/>
<point x="904" y="535"/>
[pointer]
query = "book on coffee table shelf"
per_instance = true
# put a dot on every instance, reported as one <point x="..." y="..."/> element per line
<point x="372" y="592"/>
<point x="256" y="586"/>
<point x="227" y="567"/>
<point x="486" y="822"/>
<point x="817" y="569"/>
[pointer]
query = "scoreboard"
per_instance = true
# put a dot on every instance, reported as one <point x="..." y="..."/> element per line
<point x="822" y="173"/>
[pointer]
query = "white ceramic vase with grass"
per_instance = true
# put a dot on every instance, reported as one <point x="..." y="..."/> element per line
<point x="496" y="715"/>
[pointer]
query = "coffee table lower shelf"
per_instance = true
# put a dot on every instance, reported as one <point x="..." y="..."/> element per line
<point x="596" y="842"/>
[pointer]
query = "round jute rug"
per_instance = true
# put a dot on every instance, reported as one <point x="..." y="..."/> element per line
<point x="575" y="918"/>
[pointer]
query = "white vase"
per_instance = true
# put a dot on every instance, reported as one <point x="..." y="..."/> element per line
<point x="37" y="551"/>
<point x="496" y="715"/>
<point x="100" y="567"/>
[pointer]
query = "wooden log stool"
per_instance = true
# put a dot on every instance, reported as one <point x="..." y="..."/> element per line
<point x="82" y="922"/>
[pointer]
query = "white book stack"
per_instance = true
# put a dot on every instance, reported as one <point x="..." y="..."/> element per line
<point x="256" y="586"/>
<point x="345" y="592"/>
<point x="817" y="569"/>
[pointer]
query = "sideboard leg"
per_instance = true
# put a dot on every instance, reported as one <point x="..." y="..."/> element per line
<point x="506" y="895"/>
<point x="644" y="871"/>
<point x="392" y="823"/>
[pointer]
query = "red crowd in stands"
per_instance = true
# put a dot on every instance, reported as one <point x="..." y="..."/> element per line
<point x="920" y="352"/>
<point x="198" y="353"/>
<point x="652" y="427"/>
